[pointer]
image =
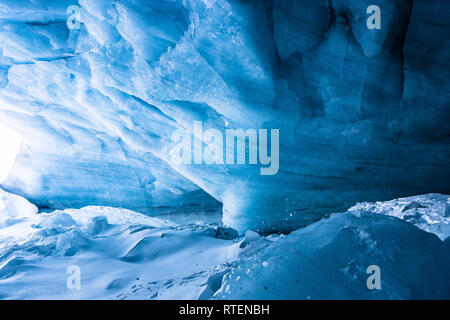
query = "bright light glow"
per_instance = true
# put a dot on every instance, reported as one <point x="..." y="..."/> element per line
<point x="10" y="142"/>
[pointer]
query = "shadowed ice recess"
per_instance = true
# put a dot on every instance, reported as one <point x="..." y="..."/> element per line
<point x="363" y="114"/>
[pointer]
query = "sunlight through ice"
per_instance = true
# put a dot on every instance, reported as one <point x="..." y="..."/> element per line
<point x="10" y="142"/>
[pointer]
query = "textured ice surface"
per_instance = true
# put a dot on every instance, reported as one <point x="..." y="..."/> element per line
<point x="364" y="114"/>
<point x="123" y="254"/>
<point x="430" y="212"/>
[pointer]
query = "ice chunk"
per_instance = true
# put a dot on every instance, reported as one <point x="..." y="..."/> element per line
<point x="57" y="220"/>
<point x="98" y="225"/>
<point x="428" y="212"/>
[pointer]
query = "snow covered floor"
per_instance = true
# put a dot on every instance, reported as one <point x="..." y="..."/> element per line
<point x="123" y="254"/>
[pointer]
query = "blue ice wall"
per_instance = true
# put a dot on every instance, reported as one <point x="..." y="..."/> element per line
<point x="363" y="114"/>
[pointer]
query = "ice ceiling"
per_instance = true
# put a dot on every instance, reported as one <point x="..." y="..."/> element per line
<point x="363" y="114"/>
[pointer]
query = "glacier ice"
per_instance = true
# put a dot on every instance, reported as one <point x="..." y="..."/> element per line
<point x="430" y="212"/>
<point x="363" y="114"/>
<point x="122" y="254"/>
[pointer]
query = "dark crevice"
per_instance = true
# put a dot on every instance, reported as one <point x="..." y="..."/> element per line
<point x="44" y="23"/>
<point x="402" y="45"/>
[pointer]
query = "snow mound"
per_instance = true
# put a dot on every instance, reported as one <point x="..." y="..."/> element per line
<point x="13" y="208"/>
<point x="329" y="260"/>
<point x="429" y="212"/>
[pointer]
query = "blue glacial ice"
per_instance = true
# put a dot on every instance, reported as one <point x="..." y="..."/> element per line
<point x="87" y="177"/>
<point x="363" y="114"/>
<point x="430" y="212"/>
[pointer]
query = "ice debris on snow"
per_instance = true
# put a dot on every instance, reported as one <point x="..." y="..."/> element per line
<point x="429" y="212"/>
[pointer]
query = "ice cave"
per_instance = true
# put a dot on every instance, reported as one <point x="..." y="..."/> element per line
<point x="92" y="91"/>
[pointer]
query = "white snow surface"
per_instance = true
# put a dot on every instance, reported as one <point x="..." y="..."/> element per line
<point x="13" y="208"/>
<point x="122" y="254"/>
